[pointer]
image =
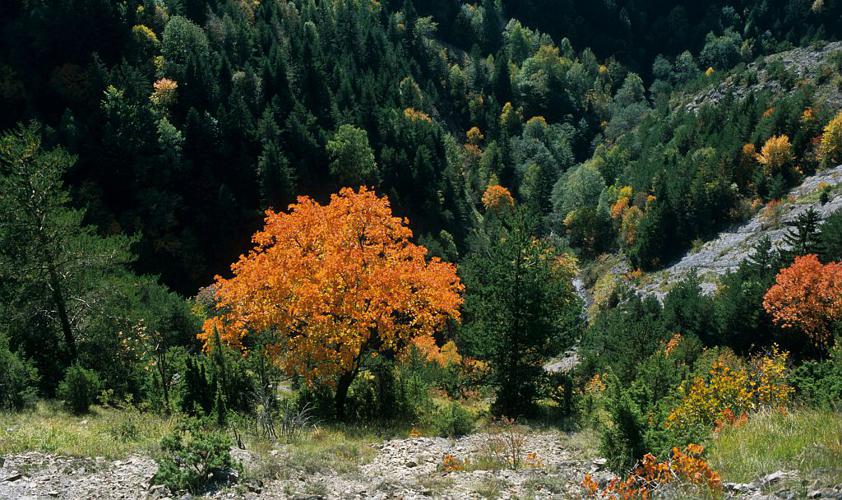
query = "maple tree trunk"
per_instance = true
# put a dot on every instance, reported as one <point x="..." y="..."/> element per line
<point x="342" y="386"/>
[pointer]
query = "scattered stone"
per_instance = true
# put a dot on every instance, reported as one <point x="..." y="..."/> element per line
<point x="774" y="477"/>
<point x="825" y="493"/>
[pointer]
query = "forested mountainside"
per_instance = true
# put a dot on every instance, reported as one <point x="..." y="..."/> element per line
<point x="248" y="96"/>
<point x="225" y="221"/>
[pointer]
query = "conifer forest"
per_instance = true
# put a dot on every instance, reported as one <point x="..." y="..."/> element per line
<point x="406" y="249"/>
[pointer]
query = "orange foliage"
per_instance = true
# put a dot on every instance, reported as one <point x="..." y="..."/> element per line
<point x="334" y="283"/>
<point x="644" y="480"/>
<point x="450" y="463"/>
<point x="164" y="92"/>
<point x="807" y="296"/>
<point x="673" y="343"/>
<point x="728" y="419"/>
<point x="618" y="208"/>
<point x="749" y="151"/>
<point x="443" y="356"/>
<point x="496" y="197"/>
<point x="595" y="385"/>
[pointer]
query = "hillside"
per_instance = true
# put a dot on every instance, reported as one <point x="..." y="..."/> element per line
<point x="420" y="248"/>
<point x="800" y="65"/>
<point x="730" y="248"/>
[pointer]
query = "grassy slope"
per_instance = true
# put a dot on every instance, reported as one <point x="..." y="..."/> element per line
<point x="105" y="432"/>
<point x="806" y="440"/>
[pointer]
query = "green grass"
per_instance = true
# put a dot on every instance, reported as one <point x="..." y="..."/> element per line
<point x="491" y="487"/>
<point x="806" y="440"/>
<point x="339" y="449"/>
<point x="333" y="450"/>
<point x="104" y="432"/>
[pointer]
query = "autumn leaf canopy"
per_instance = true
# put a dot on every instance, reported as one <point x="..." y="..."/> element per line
<point x="807" y="296"/>
<point x="334" y="282"/>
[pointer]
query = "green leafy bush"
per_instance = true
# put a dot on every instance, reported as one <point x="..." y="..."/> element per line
<point x="194" y="458"/>
<point x="819" y="383"/>
<point x="18" y="379"/>
<point x="79" y="389"/>
<point x="452" y="420"/>
<point x="623" y="441"/>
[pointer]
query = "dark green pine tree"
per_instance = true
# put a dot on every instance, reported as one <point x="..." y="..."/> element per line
<point x="830" y="239"/>
<point x="410" y="17"/>
<point x="53" y="261"/>
<point x="657" y="232"/>
<point x="199" y="392"/>
<point x="802" y="238"/>
<point x="520" y="309"/>
<point x="492" y="26"/>
<point x="503" y="79"/>
<point x="274" y="173"/>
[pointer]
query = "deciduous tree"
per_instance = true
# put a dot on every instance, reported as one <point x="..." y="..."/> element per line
<point x="336" y="283"/>
<point x="807" y="296"/>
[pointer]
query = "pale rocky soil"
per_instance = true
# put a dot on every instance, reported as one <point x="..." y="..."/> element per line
<point x="401" y="469"/>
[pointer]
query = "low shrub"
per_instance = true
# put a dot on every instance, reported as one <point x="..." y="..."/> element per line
<point x="452" y="420"/>
<point x="18" y="379"/>
<point x="194" y="458"/>
<point x="819" y="383"/>
<point x="506" y="445"/>
<point x="622" y="441"/>
<point x="732" y="390"/>
<point x="650" y="475"/>
<point x="79" y="389"/>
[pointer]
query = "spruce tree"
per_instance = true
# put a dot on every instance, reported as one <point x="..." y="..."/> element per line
<point x="802" y="238"/>
<point x="520" y="307"/>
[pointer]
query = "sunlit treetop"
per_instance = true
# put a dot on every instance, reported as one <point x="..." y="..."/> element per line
<point x="333" y="283"/>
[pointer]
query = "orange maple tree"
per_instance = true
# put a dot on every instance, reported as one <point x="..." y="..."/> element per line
<point x="808" y="296"/>
<point x="335" y="283"/>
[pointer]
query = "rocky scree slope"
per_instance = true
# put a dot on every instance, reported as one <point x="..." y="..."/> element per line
<point x="725" y="253"/>
<point x="804" y="63"/>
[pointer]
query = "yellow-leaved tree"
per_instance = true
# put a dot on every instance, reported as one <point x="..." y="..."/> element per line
<point x="830" y="147"/>
<point x="335" y="284"/>
<point x="776" y="154"/>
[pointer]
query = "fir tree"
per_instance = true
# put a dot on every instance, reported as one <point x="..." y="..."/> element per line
<point x="802" y="238"/>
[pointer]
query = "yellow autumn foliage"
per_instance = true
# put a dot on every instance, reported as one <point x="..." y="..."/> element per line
<point x="776" y="154"/>
<point x="733" y="390"/>
<point x="415" y="115"/>
<point x="830" y="148"/>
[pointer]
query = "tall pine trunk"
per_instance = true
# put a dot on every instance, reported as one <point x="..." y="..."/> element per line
<point x="61" y="307"/>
